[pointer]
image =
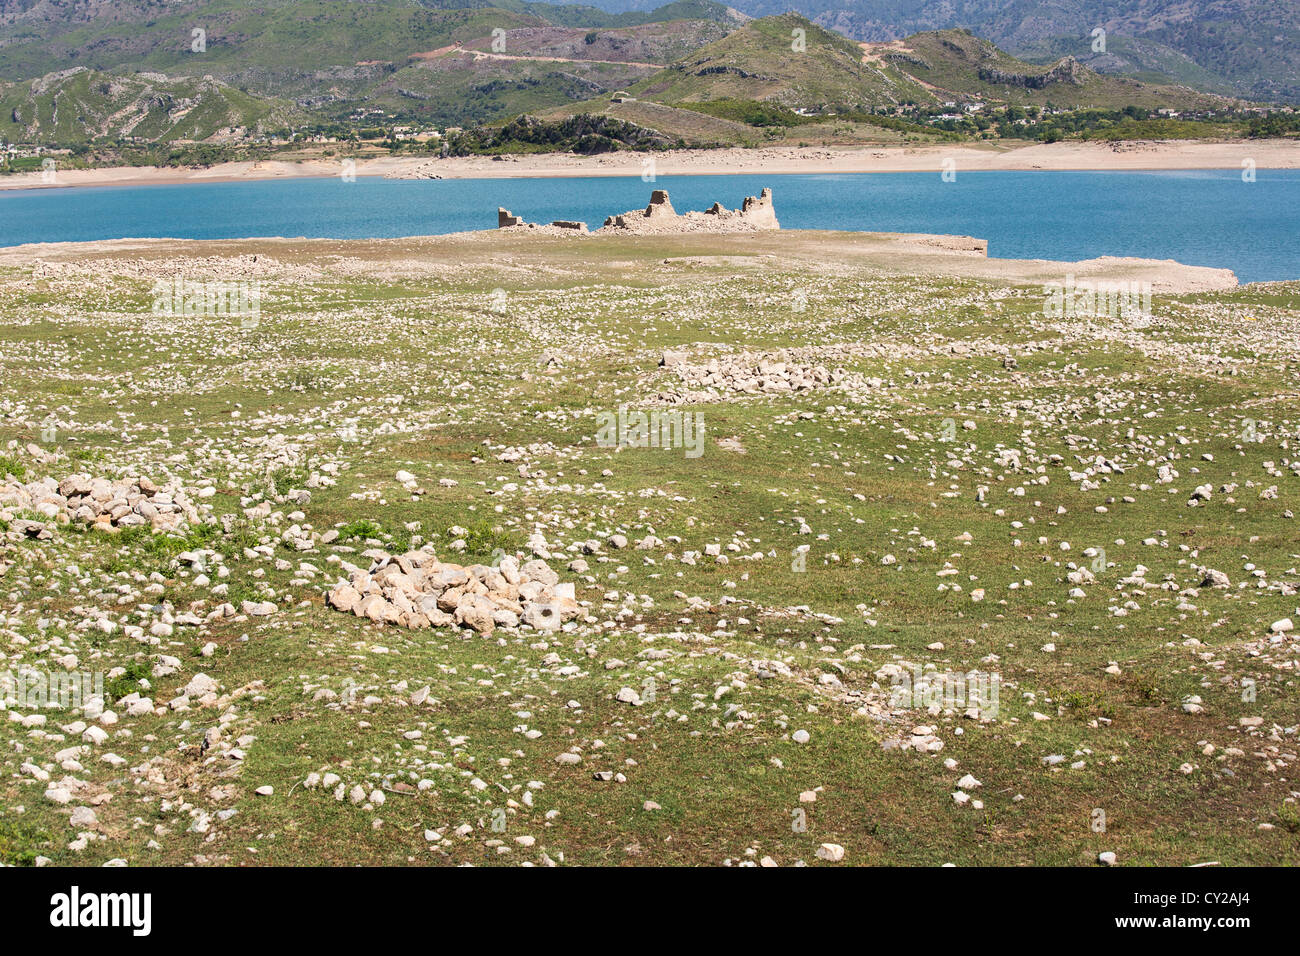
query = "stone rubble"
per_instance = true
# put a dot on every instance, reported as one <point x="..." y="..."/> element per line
<point x="415" y="590"/>
<point x="750" y="373"/>
<point x="103" y="502"/>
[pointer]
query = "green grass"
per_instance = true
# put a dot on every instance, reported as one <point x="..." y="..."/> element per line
<point x="21" y="843"/>
<point x="128" y="682"/>
<point x="751" y="112"/>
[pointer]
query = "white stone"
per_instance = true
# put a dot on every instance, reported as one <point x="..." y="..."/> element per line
<point x="831" y="852"/>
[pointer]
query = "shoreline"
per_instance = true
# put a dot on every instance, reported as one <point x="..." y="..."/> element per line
<point x="1134" y="156"/>
<point x="900" y="253"/>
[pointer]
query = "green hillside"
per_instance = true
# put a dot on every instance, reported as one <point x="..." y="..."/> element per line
<point x="709" y="79"/>
<point x="273" y="40"/>
<point x="577" y="15"/>
<point x="277" y="42"/>
<point x="1248" y="48"/>
<point x="763" y="61"/>
<point x="760" y="62"/>
<point x="87" y="105"/>
<point x="336" y="57"/>
<point x="757" y="86"/>
<point x="458" y="90"/>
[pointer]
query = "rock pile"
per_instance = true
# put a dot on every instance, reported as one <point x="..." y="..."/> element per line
<point x="753" y="374"/>
<point x="103" y="502"/>
<point x="416" y="590"/>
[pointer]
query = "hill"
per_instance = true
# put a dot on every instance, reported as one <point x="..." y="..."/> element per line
<point x="1248" y="48"/>
<point x="828" y="73"/>
<point x="339" y="58"/>
<point x="86" y="105"/>
<point x="958" y="63"/>
<point x="785" y="60"/>
<point x="784" y="79"/>
<point x="276" y="40"/>
<point x="713" y="78"/>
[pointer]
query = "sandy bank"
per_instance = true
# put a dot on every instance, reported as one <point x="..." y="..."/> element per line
<point x="1266" y="154"/>
<point x="578" y="255"/>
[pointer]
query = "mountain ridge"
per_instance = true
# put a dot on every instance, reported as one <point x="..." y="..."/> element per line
<point x="1248" y="48"/>
<point x="714" y="78"/>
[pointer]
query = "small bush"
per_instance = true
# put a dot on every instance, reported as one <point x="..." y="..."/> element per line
<point x="12" y="466"/>
<point x="361" y="528"/>
<point x="20" y="842"/>
<point x="127" y="683"/>
<point x="483" y="539"/>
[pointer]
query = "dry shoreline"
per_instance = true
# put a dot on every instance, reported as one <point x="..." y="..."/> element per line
<point x="1131" y="156"/>
<point x="879" y="252"/>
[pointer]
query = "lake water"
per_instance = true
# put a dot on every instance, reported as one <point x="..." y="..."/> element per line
<point x="1204" y="217"/>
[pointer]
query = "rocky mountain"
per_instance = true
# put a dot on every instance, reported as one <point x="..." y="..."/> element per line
<point x="83" y="71"/>
<point x="1245" y="48"/>
<point x="956" y="63"/>
<point x="783" y="77"/>
<point x="788" y="61"/>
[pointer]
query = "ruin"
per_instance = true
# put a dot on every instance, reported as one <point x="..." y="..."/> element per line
<point x="659" y="205"/>
<point x="659" y="216"/>
<point x="759" y="211"/>
<point x="506" y="220"/>
<point x="756" y="212"/>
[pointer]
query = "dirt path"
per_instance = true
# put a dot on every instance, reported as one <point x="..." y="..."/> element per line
<point x="485" y="55"/>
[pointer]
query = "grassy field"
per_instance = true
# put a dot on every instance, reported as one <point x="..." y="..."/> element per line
<point x="974" y="447"/>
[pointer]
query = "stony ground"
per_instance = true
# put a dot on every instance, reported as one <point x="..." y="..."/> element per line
<point x="897" y="470"/>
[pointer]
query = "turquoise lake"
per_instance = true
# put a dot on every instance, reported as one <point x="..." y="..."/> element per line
<point x="1203" y="217"/>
